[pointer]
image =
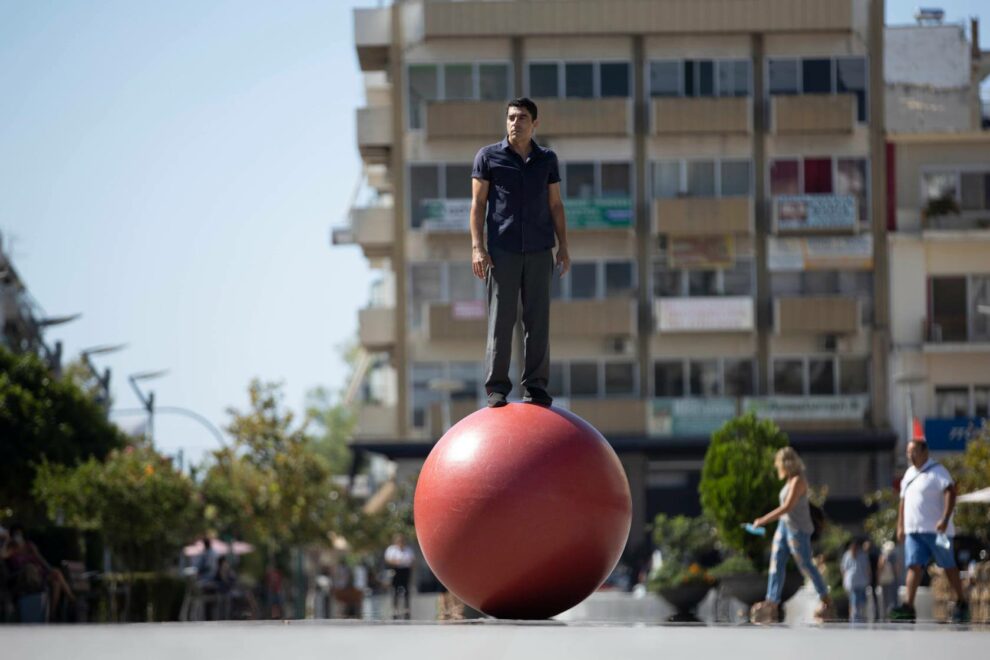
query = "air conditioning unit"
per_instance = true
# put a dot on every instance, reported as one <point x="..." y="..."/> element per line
<point x="619" y="345"/>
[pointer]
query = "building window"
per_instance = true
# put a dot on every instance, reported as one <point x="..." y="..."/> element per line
<point x="590" y="180"/>
<point x="620" y="379"/>
<point x="579" y="180"/>
<point x="614" y="79"/>
<point x="584" y="280"/>
<point x="843" y="75"/>
<point x="701" y="178"/>
<point x="619" y="279"/>
<point x="821" y="377"/>
<point x="616" y="180"/>
<point x="461" y="282"/>
<point x="425" y="286"/>
<point x="704" y="378"/>
<point x="951" y="402"/>
<point x="700" y="78"/>
<point x="736" y="280"/>
<point x="487" y="81"/>
<point x="668" y="378"/>
<point x="854" y="376"/>
<point x="823" y="175"/>
<point x="740" y="377"/>
<point x="424" y="184"/>
<point x="579" y="80"/>
<point x="981" y="401"/>
<point x="788" y="377"/>
<point x="584" y="379"/>
<point x="423" y="374"/>
<point x="556" y="385"/>
<point x="429" y="186"/>
<point x="948" y="309"/>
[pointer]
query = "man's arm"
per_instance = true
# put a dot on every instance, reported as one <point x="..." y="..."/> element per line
<point x="949" y="499"/>
<point x="560" y="227"/>
<point x="480" y="261"/>
<point x="900" y="520"/>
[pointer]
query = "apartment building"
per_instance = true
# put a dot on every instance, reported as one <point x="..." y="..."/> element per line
<point x="939" y="241"/>
<point x="722" y="166"/>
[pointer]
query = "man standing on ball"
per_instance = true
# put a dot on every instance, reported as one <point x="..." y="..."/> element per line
<point x="516" y="196"/>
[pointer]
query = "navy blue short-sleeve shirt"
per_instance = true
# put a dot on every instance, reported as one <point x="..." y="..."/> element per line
<point x="518" y="217"/>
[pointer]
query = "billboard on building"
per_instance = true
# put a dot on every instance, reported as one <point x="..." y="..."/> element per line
<point x="712" y="314"/>
<point x="808" y="408"/>
<point x="814" y="213"/>
<point x="820" y="253"/>
<point x="694" y="417"/>
<point x="952" y="433"/>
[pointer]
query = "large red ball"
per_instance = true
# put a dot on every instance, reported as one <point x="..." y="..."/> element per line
<point x="522" y="511"/>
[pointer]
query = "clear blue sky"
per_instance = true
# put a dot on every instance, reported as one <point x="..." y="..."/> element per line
<point x="171" y="170"/>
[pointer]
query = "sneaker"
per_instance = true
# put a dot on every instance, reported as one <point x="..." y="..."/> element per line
<point x="903" y="613"/>
<point x="496" y="400"/>
<point x="539" y="397"/>
<point x="960" y="613"/>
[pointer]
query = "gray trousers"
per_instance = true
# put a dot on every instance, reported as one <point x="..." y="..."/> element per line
<point x="516" y="276"/>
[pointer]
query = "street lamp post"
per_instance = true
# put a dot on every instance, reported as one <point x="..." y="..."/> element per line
<point x="149" y="401"/>
<point x="104" y="379"/>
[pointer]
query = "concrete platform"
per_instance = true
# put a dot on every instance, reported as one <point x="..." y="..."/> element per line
<point x="489" y="639"/>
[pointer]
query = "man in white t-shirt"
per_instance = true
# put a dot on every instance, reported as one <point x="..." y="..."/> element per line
<point x="924" y="526"/>
<point x="399" y="557"/>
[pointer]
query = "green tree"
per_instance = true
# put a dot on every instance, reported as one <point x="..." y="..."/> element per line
<point x="333" y="424"/>
<point x="44" y="417"/>
<point x="881" y="524"/>
<point x="144" y="506"/>
<point x="971" y="471"/>
<point x="738" y="481"/>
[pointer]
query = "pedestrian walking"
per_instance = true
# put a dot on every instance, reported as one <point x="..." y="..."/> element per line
<point x="793" y="537"/>
<point x="399" y="558"/>
<point x="924" y="526"/>
<point x="855" y="567"/>
<point x="890" y="576"/>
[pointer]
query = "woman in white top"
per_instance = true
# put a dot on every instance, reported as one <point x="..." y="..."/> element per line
<point x="793" y="536"/>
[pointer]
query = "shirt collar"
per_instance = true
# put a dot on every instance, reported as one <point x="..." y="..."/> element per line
<point x="537" y="149"/>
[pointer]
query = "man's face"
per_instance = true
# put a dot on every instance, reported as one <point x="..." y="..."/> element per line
<point x="917" y="453"/>
<point x="519" y="124"/>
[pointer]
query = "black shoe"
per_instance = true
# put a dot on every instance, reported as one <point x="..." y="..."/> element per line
<point x="960" y="613"/>
<point x="539" y="397"/>
<point x="496" y="400"/>
<point x="903" y="613"/>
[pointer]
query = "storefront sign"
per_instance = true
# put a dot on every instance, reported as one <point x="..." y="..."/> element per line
<point x="673" y="417"/>
<point x="446" y="214"/>
<point x="952" y="433"/>
<point x="820" y="253"/>
<point x="793" y="408"/>
<point x="468" y="310"/>
<point x="700" y="252"/>
<point x="718" y="313"/>
<point x="814" y="213"/>
<point x="600" y="213"/>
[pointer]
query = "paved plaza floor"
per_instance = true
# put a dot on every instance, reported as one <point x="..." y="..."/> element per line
<point x="489" y="639"/>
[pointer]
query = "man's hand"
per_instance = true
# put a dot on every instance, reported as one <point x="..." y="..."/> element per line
<point x="563" y="260"/>
<point x="481" y="262"/>
<point x="942" y="525"/>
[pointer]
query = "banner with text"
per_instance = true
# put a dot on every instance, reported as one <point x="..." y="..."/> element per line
<point x="952" y="433"/>
<point x="713" y="314"/>
<point x="599" y="213"/>
<point x="703" y="253"/>
<point x="820" y="253"/>
<point x="676" y="417"/>
<point x="824" y="213"/>
<point x="788" y="408"/>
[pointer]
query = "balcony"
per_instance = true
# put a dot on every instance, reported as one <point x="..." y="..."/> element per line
<point x="953" y="334"/>
<point x="374" y="134"/>
<point x="583" y="117"/>
<point x="806" y="114"/>
<point x="816" y="314"/>
<point x="372" y="37"/>
<point x="704" y="314"/>
<point x="623" y="17"/>
<point x="465" y="119"/>
<point x="376" y="420"/>
<point x="612" y="416"/>
<point x="372" y="227"/>
<point x="703" y="216"/>
<point x="376" y="328"/>
<point x="456" y="321"/>
<point x="697" y="116"/>
<point x="592" y="318"/>
<point x="964" y="221"/>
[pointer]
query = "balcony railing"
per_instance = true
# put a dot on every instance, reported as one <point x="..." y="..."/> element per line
<point x="622" y="17"/>
<point x="962" y="221"/>
<point x="805" y="114"/>
<point x="374" y="134"/>
<point x="456" y="321"/>
<point x="704" y="314"/>
<point x="703" y="216"/>
<point x="376" y="420"/>
<point x="372" y="37"/>
<point x="613" y="416"/>
<point x="465" y="119"/>
<point x="701" y="116"/>
<point x="371" y="227"/>
<point x="957" y="329"/>
<point x="585" y="117"/>
<point x="817" y="314"/>
<point x="593" y="318"/>
<point x="376" y="328"/>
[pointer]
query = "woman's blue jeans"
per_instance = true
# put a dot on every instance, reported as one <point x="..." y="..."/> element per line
<point x="787" y="542"/>
<point x="857" y="604"/>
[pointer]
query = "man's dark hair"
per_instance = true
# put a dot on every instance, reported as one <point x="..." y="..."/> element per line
<point x="524" y="103"/>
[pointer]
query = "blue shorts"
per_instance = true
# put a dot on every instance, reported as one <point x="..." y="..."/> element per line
<point x="920" y="548"/>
